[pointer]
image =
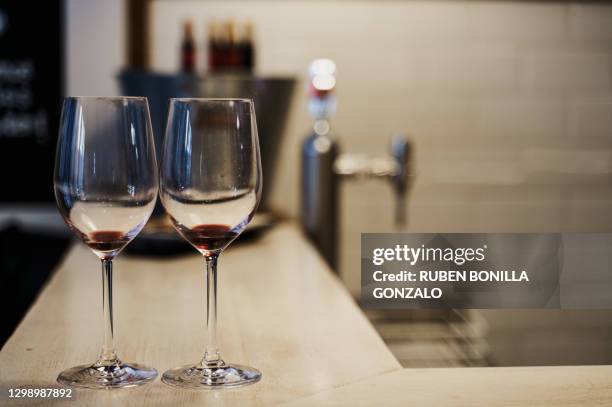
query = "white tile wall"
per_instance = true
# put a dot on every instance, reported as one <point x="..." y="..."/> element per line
<point x="581" y="71"/>
<point x="590" y="117"/>
<point x="590" y="21"/>
<point x="94" y="39"/>
<point x="509" y="104"/>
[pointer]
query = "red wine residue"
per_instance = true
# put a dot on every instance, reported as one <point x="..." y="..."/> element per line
<point x="106" y="240"/>
<point x="209" y="237"/>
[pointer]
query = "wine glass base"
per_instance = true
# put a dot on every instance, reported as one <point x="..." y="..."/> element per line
<point x="200" y="377"/>
<point x="108" y="376"/>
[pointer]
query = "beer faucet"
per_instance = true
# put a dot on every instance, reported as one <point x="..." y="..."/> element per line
<point x="323" y="167"/>
<point x="396" y="167"/>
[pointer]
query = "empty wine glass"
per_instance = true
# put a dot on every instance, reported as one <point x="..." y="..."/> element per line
<point x="105" y="186"/>
<point x="211" y="185"/>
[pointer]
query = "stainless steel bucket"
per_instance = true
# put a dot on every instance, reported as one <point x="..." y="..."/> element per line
<point x="272" y="96"/>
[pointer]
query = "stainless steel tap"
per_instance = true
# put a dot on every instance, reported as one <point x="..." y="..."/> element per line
<point x="322" y="170"/>
<point x="396" y="167"/>
<point x="323" y="167"/>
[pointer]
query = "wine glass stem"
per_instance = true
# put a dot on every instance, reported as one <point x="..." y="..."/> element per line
<point x="211" y="355"/>
<point x="107" y="355"/>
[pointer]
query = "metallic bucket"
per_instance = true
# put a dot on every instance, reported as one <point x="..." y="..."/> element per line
<point x="272" y="98"/>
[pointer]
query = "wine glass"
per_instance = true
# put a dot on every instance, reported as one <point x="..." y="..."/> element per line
<point x="105" y="186"/>
<point x="211" y="185"/>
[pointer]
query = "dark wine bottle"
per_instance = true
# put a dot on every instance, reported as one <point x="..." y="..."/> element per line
<point x="188" y="49"/>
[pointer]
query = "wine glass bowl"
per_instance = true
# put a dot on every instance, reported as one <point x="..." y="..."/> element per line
<point x="105" y="185"/>
<point x="106" y="174"/>
<point x="210" y="186"/>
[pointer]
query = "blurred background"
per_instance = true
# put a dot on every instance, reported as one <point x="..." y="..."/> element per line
<point x="505" y="106"/>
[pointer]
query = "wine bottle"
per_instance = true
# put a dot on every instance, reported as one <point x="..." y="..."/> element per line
<point x="188" y="49"/>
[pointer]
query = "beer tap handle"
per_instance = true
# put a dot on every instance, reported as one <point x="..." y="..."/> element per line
<point x="401" y="151"/>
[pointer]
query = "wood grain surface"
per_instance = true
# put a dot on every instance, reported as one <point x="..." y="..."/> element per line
<point x="575" y="386"/>
<point x="281" y="310"/>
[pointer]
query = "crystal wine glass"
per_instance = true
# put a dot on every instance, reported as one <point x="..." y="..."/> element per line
<point x="105" y="186"/>
<point x="211" y="185"/>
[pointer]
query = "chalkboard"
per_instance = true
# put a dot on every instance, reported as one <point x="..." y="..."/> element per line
<point x="31" y="91"/>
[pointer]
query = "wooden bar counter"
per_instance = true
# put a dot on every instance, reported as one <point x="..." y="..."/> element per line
<point x="280" y="310"/>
